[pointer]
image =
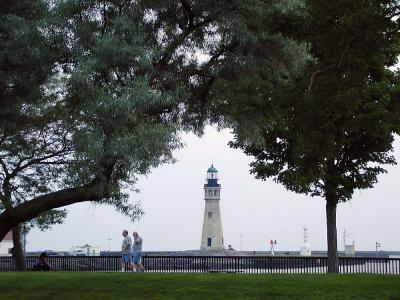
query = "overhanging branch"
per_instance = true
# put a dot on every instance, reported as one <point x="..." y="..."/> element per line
<point x="31" y="209"/>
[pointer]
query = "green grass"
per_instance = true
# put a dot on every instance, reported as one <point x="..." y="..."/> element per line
<point x="62" y="285"/>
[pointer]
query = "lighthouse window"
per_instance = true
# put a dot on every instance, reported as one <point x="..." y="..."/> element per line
<point x="215" y="193"/>
<point x="209" y="214"/>
<point x="209" y="242"/>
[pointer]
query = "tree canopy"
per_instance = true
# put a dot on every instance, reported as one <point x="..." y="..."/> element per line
<point x="329" y="131"/>
<point x="97" y="92"/>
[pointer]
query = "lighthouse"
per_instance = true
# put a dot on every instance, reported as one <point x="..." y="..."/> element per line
<point x="212" y="237"/>
<point x="305" y="250"/>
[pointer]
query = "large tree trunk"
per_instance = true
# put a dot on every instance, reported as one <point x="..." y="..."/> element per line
<point x="333" y="261"/>
<point x="32" y="208"/>
<point x="18" y="251"/>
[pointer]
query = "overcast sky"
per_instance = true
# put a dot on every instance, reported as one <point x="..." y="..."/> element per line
<point x="172" y="198"/>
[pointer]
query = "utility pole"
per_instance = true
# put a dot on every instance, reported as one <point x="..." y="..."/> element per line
<point x="24" y="235"/>
<point x="109" y="240"/>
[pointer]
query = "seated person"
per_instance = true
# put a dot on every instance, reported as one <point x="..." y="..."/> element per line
<point x="42" y="263"/>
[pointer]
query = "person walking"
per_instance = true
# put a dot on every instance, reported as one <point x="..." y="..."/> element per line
<point x="137" y="252"/>
<point x="126" y="251"/>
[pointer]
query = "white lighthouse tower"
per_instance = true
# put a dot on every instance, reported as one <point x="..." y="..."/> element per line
<point x="212" y="237"/>
<point x="305" y="250"/>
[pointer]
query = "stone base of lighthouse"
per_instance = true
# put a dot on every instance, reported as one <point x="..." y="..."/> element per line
<point x="212" y="238"/>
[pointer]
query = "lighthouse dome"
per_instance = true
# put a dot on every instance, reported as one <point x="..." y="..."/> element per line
<point x="212" y="169"/>
<point x="212" y="177"/>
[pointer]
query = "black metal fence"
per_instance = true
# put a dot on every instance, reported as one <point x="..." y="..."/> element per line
<point x="217" y="264"/>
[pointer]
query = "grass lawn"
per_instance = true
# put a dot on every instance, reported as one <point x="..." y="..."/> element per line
<point x="63" y="285"/>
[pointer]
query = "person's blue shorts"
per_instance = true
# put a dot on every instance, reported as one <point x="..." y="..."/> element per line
<point x="126" y="257"/>
<point x="136" y="257"/>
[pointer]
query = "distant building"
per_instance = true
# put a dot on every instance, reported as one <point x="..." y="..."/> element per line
<point x="85" y="250"/>
<point x="6" y="244"/>
<point x="212" y="237"/>
<point x="349" y="250"/>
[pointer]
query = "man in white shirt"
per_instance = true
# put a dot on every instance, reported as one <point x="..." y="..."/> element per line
<point x="126" y="250"/>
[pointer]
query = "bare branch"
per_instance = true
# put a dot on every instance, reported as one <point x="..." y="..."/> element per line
<point x="316" y="73"/>
<point x="42" y="160"/>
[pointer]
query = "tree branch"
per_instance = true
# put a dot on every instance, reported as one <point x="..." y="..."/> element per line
<point x="315" y="74"/>
<point x="163" y="61"/>
<point x="31" y="209"/>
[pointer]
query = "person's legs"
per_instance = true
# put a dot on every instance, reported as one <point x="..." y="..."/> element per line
<point x="122" y="263"/>
<point x="38" y="267"/>
<point x="126" y="258"/>
<point x="46" y="267"/>
<point x="133" y="266"/>
<point x="141" y="265"/>
<point x="136" y="260"/>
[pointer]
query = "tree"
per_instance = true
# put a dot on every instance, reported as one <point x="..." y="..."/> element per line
<point x="125" y="79"/>
<point x="27" y="60"/>
<point x="328" y="132"/>
<point x="42" y="147"/>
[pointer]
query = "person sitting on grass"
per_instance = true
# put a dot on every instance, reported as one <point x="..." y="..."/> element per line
<point x="42" y="263"/>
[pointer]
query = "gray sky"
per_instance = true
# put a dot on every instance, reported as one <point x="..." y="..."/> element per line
<point x="172" y="197"/>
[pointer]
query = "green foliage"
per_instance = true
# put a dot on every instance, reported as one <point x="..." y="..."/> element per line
<point x="25" y="61"/>
<point x="47" y="219"/>
<point x="33" y="142"/>
<point x="124" y="122"/>
<point x="115" y="82"/>
<point x="262" y="53"/>
<point x="331" y="129"/>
